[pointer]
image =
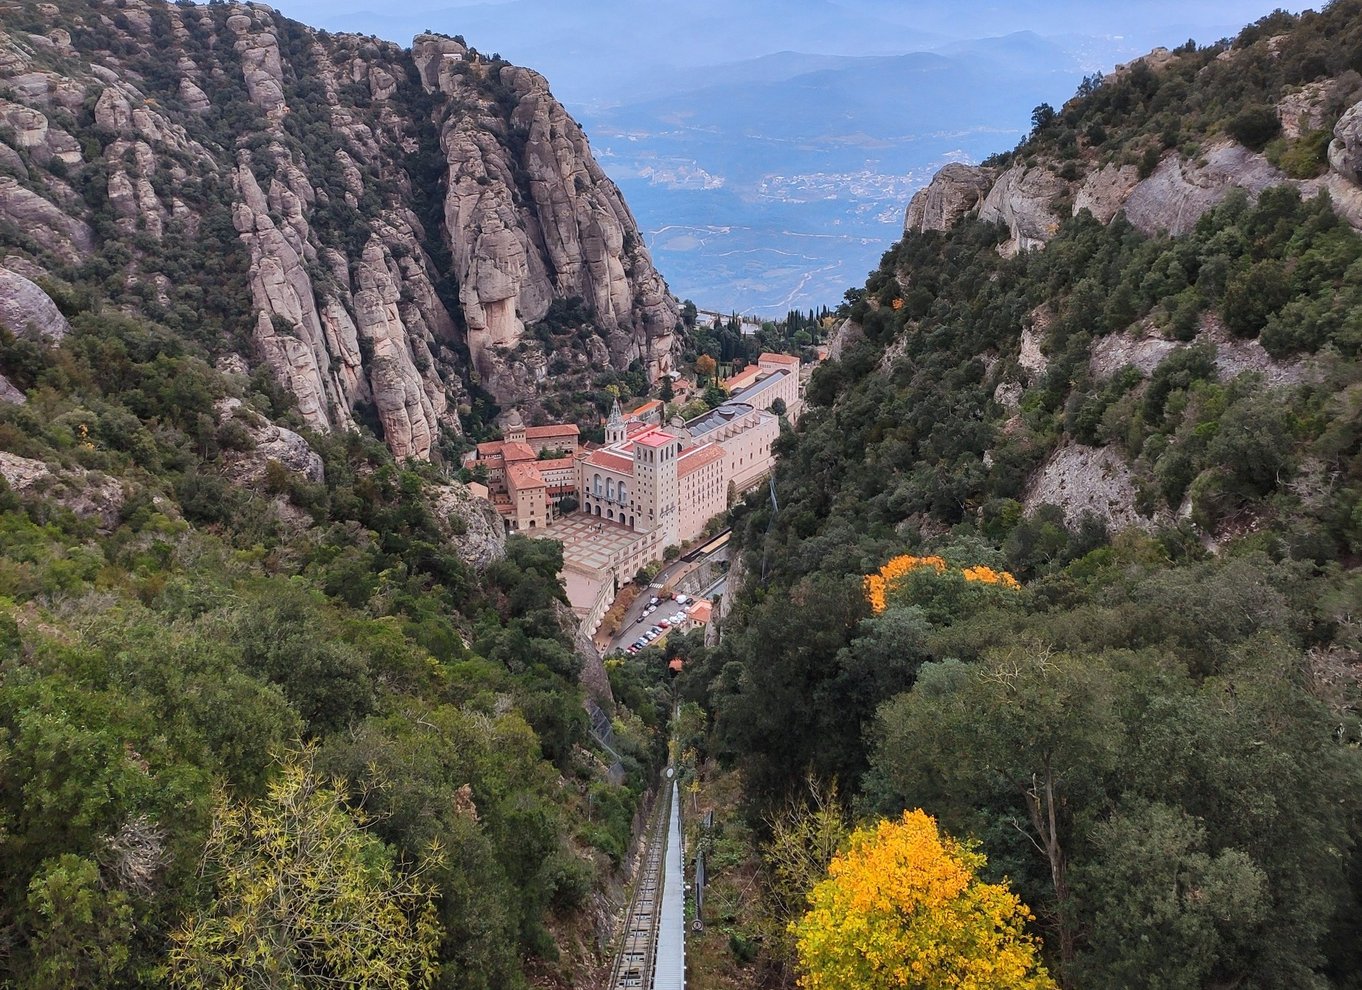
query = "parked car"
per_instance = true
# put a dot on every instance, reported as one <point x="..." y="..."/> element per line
<point x="640" y="617"/>
<point x="682" y="599"/>
<point x="654" y="601"/>
<point x="664" y="623"/>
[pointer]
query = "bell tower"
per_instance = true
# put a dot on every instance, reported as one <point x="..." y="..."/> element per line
<point x="615" y="429"/>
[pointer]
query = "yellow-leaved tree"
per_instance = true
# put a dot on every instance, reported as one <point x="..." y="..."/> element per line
<point x="903" y="907"/>
<point x="305" y="898"/>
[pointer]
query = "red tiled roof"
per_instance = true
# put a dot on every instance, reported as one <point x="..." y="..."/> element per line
<point x="612" y="462"/>
<point x="489" y="448"/>
<point x="555" y="463"/>
<point x="654" y="438"/>
<point x="770" y="358"/>
<point x="675" y="665"/>
<point x="742" y="378"/>
<point x="552" y="430"/>
<point x="647" y="407"/>
<point x="633" y="429"/>
<point x="517" y="452"/>
<point x="698" y="457"/>
<point x="701" y="611"/>
<point x="524" y="476"/>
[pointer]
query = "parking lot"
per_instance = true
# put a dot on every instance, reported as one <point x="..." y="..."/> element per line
<point x="651" y="618"/>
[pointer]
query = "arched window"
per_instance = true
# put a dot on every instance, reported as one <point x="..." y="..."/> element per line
<point x="610" y="513"/>
<point x="598" y="510"/>
<point x="624" y="494"/>
<point x="597" y="486"/>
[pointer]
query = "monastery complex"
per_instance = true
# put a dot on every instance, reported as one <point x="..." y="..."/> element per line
<point x="649" y="487"/>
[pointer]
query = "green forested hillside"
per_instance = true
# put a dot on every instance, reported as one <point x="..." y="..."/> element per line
<point x="174" y="657"/>
<point x="1156" y="736"/>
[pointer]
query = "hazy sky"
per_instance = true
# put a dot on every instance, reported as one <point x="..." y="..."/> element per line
<point x="766" y="155"/>
<point x="590" y="48"/>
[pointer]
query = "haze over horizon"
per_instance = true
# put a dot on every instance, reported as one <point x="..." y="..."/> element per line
<point x="769" y="149"/>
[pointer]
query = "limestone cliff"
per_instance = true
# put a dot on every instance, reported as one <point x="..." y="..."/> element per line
<point x="380" y="226"/>
<point x="1172" y="190"/>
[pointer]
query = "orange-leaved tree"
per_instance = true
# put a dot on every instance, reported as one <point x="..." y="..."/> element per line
<point x="898" y="571"/>
<point x="903" y="907"/>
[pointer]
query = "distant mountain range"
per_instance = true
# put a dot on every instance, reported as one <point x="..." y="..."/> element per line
<point x="769" y="148"/>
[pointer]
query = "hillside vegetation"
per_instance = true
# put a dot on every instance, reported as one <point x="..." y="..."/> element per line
<point x="1153" y="731"/>
<point x="212" y="632"/>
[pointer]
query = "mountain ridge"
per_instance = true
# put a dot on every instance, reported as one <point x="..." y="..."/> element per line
<point x="401" y="215"/>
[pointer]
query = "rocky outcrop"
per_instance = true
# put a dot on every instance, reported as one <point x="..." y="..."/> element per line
<point x="473" y="526"/>
<point x="846" y="334"/>
<point x="953" y="192"/>
<point x="266" y="442"/>
<point x="544" y="224"/>
<point x="1023" y="199"/>
<point x="1345" y="150"/>
<point x="10" y="393"/>
<point x="395" y="246"/>
<point x="68" y="238"/>
<point x="26" y="310"/>
<point x="1306" y="109"/>
<point x="1082" y="480"/>
<point x="1176" y="195"/>
<point x="1104" y="192"/>
<point x="88" y="494"/>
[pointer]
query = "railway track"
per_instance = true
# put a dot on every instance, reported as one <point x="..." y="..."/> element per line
<point x="634" y="965"/>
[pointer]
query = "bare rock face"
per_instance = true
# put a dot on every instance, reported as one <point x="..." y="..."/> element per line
<point x="26" y="310"/>
<point x="1179" y="192"/>
<point x="1022" y="199"/>
<point x="383" y="253"/>
<point x="1305" y="109"/>
<point x="474" y="527"/>
<point x="539" y="225"/>
<point x="1080" y="480"/>
<point x="1139" y="347"/>
<point x="11" y="393"/>
<point x="846" y="334"/>
<point x="954" y="191"/>
<point x="67" y="237"/>
<point x="1105" y="191"/>
<point x="1345" y="150"/>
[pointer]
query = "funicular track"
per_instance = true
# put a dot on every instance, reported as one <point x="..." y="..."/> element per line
<point x="634" y="965"/>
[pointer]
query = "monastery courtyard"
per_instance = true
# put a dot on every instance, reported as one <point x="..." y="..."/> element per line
<point x="589" y="540"/>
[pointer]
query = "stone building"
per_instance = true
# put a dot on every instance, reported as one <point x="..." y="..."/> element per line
<point x="665" y="482"/>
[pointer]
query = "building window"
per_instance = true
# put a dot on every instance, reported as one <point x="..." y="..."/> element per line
<point x="598" y="510"/>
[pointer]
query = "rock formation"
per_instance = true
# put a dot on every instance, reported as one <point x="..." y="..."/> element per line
<point x="1027" y="197"/>
<point x="473" y="525"/>
<point x="384" y="225"/>
<point x="88" y="494"/>
<point x="953" y="192"/>
<point x="1023" y="199"/>
<point x="25" y="309"/>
